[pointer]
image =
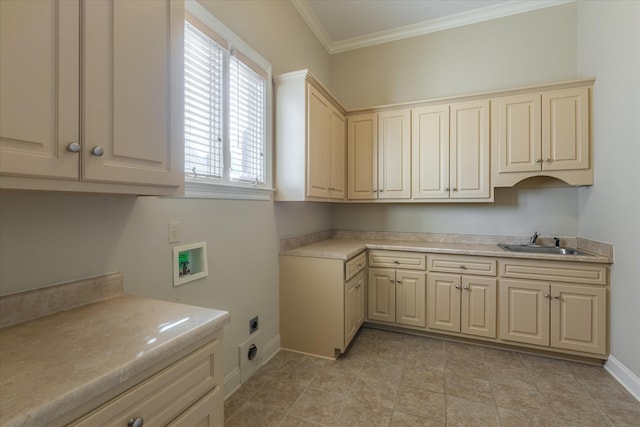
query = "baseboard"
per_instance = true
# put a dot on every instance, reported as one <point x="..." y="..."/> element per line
<point x="624" y="376"/>
<point x="232" y="381"/>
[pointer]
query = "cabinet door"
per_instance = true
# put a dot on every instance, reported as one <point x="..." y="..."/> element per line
<point x="319" y="121"/>
<point x="337" y="163"/>
<point x="394" y="155"/>
<point x="362" y="156"/>
<point x="410" y="298"/>
<point x="382" y="295"/>
<point x="579" y="318"/>
<point x="133" y="109"/>
<point x="478" y="315"/>
<point x="443" y="299"/>
<point x="524" y="311"/>
<point x="207" y="412"/>
<point x="354" y="306"/>
<point x="430" y="152"/>
<point x="469" y="150"/>
<point x="517" y="133"/>
<point x="565" y="129"/>
<point x="39" y="88"/>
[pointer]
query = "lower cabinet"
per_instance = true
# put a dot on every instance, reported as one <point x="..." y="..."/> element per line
<point x="463" y="304"/>
<point x="397" y="296"/>
<point x="557" y="315"/>
<point x="187" y="393"/>
<point x="321" y="303"/>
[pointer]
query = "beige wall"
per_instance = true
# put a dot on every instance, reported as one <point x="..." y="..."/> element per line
<point x="609" y="49"/>
<point x="525" y="49"/>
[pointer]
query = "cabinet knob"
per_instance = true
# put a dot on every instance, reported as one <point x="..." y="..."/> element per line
<point x="395" y="261"/>
<point x="457" y="286"/>
<point x="538" y="160"/>
<point x="392" y="281"/>
<point x="73" y="147"/>
<point x="547" y="160"/>
<point x="462" y="267"/>
<point x="399" y="282"/>
<point x="466" y="288"/>
<point x="375" y="190"/>
<point x="446" y="189"/>
<point x="546" y="295"/>
<point x="556" y="296"/>
<point x="97" y="151"/>
<point x="332" y="189"/>
<point x="137" y="422"/>
<point x="381" y="190"/>
<point x="455" y="189"/>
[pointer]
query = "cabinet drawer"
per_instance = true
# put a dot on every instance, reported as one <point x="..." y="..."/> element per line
<point x="593" y="274"/>
<point x="478" y="266"/>
<point x="162" y="397"/>
<point x="355" y="265"/>
<point x="392" y="259"/>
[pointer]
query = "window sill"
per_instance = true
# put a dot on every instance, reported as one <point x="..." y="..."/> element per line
<point x="206" y="190"/>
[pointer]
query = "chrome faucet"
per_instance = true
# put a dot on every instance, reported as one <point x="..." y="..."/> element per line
<point x="534" y="238"/>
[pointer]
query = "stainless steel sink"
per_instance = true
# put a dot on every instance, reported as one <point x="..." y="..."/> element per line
<point x="537" y="249"/>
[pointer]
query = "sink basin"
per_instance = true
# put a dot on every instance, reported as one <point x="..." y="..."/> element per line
<point x="536" y="249"/>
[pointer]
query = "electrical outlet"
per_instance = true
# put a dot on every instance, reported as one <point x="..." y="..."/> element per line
<point x="174" y="232"/>
<point x="253" y="325"/>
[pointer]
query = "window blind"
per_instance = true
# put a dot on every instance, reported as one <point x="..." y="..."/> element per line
<point x="246" y="120"/>
<point x="204" y="96"/>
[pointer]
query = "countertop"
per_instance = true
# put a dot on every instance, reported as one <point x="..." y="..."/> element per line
<point x="51" y="365"/>
<point x="345" y="248"/>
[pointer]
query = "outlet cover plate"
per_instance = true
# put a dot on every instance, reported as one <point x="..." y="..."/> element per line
<point x="249" y="367"/>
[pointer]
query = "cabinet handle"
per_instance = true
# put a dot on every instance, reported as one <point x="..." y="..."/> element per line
<point x="375" y="190"/>
<point x="455" y="189"/>
<point x="538" y="160"/>
<point x="382" y="190"/>
<point x="446" y="189"/>
<point x="556" y="296"/>
<point x="73" y="147"/>
<point x="332" y="189"/>
<point x="466" y="288"/>
<point x="392" y="281"/>
<point x="546" y="295"/>
<point x="137" y="422"/>
<point x="462" y="267"/>
<point x="395" y="261"/>
<point x="457" y="286"/>
<point x="97" y="151"/>
<point x="399" y="282"/>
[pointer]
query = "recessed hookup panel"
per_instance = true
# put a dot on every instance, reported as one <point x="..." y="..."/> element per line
<point x="189" y="263"/>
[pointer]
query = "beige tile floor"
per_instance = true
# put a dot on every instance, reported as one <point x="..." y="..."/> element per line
<point x="393" y="379"/>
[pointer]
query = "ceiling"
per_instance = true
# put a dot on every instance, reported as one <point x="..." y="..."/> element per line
<point x="342" y="25"/>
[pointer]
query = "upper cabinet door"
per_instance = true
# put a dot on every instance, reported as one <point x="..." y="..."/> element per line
<point x="133" y="112"/>
<point x="430" y="152"/>
<point x="517" y="130"/>
<point x="394" y="155"/>
<point x="469" y="150"/>
<point x="565" y="129"/>
<point x="39" y="88"/>
<point x="319" y="121"/>
<point x="362" y="156"/>
<point x="338" y="164"/>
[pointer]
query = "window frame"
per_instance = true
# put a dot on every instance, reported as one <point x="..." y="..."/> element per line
<point x="225" y="188"/>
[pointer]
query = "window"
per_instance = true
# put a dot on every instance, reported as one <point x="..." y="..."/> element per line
<point x="227" y="114"/>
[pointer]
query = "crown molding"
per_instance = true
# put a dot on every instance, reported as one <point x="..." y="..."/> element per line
<point x="488" y="13"/>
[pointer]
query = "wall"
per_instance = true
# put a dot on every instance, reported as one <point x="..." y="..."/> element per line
<point x="520" y="50"/>
<point x="47" y="237"/>
<point x="609" y="49"/>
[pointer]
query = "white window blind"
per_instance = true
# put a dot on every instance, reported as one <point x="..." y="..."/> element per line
<point x="225" y="111"/>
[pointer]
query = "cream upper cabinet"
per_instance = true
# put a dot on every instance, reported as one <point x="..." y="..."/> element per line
<point x="310" y="149"/>
<point x="394" y="155"/>
<point x="451" y="151"/>
<point x="125" y="69"/>
<point x="542" y="134"/>
<point x="362" y="156"/>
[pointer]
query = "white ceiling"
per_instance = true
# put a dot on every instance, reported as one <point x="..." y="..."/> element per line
<point x="342" y="25"/>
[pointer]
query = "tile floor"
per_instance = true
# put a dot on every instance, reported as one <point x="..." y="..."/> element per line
<point x="393" y="379"/>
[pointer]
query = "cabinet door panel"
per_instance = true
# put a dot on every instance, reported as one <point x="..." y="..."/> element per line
<point x="39" y="88"/>
<point x="579" y="318"/>
<point x="382" y="295"/>
<point x="354" y="306"/>
<point x="362" y="156"/>
<point x="394" y="155"/>
<point x="430" y="152"/>
<point x="207" y="412"/>
<point x="337" y="178"/>
<point x="319" y="121"/>
<point x="469" y="150"/>
<point x="524" y="311"/>
<point x="565" y="129"/>
<point x="133" y="91"/>
<point x="478" y="306"/>
<point x="410" y="298"/>
<point x="518" y="133"/>
<point x="443" y="299"/>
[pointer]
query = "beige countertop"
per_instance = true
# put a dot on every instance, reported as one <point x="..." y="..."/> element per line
<point x="51" y="365"/>
<point x="346" y="248"/>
